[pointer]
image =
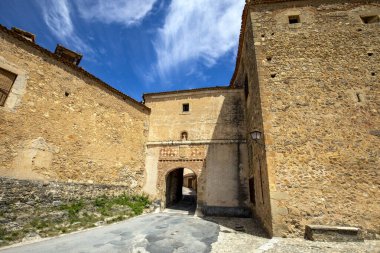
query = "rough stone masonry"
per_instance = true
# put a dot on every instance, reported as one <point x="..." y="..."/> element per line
<point x="311" y="74"/>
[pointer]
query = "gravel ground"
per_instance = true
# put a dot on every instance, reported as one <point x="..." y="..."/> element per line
<point x="243" y="235"/>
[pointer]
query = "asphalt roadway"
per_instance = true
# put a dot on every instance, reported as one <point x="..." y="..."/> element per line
<point x="153" y="233"/>
<point x="178" y="232"/>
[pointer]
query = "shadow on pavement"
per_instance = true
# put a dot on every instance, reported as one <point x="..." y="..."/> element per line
<point x="242" y="225"/>
<point x="187" y="205"/>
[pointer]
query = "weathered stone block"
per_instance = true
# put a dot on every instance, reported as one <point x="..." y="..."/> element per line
<point x="332" y="233"/>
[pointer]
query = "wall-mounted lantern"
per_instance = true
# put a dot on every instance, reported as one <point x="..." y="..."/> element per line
<point x="256" y="135"/>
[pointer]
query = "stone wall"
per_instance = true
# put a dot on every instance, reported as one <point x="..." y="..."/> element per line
<point x="29" y="192"/>
<point x="319" y="88"/>
<point x="214" y="113"/>
<point x="61" y="123"/>
<point x="247" y="77"/>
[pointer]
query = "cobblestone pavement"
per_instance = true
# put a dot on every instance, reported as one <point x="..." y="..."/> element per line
<point x="243" y="235"/>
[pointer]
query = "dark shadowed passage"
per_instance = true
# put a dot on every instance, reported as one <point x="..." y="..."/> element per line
<point x="181" y="190"/>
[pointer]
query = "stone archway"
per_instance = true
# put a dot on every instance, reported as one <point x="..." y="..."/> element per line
<point x="181" y="189"/>
<point x="170" y="180"/>
<point x="173" y="157"/>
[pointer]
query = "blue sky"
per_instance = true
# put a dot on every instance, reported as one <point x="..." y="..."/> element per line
<point x="138" y="46"/>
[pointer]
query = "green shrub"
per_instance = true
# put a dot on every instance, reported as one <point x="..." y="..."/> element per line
<point x="39" y="223"/>
<point x="3" y="232"/>
<point x="73" y="209"/>
<point x="101" y="201"/>
<point x="136" y="202"/>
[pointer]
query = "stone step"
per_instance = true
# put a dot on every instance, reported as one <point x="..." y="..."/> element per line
<point x="332" y="233"/>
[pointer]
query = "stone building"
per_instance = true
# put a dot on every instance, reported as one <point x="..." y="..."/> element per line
<point x="202" y="130"/>
<point x="59" y="122"/>
<point x="310" y="72"/>
<point x="294" y="139"/>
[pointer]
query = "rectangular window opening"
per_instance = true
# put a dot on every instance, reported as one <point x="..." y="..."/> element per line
<point x="252" y="196"/>
<point x="246" y="88"/>
<point x="6" y="81"/>
<point x="295" y="19"/>
<point x="370" y="19"/>
<point x="262" y="183"/>
<point x="185" y="107"/>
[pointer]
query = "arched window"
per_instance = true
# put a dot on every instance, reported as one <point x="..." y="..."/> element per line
<point x="184" y="136"/>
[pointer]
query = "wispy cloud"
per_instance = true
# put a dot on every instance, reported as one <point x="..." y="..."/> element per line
<point x="126" y="12"/>
<point x="57" y="16"/>
<point x="197" y="31"/>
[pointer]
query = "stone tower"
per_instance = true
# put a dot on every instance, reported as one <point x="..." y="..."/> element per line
<point x="310" y="71"/>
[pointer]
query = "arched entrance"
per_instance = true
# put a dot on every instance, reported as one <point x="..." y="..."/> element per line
<point x="181" y="189"/>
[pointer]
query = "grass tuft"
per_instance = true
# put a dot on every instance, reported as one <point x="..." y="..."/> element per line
<point x="76" y="215"/>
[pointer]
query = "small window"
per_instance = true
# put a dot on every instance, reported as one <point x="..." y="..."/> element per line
<point x="184" y="136"/>
<point x="295" y="19"/>
<point x="246" y="88"/>
<point x="358" y="97"/>
<point x="6" y="81"/>
<point x="370" y="19"/>
<point x="185" y="107"/>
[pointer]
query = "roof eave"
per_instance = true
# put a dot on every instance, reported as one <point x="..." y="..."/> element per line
<point x="240" y="47"/>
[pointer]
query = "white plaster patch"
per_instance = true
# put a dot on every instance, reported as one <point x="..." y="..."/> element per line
<point x="33" y="160"/>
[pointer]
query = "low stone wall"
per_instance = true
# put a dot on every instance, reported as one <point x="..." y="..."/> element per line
<point x="29" y="192"/>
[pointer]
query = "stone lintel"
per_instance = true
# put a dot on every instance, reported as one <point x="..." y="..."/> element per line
<point x="332" y="233"/>
<point x="197" y="142"/>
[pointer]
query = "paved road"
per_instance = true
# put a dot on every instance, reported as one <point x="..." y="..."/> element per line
<point x="153" y="233"/>
<point x="178" y="233"/>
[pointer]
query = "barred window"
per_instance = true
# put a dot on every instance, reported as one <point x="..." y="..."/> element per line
<point x="6" y="81"/>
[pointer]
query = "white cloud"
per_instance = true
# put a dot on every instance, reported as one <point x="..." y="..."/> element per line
<point x="57" y="17"/>
<point x="197" y="31"/>
<point x="126" y="12"/>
